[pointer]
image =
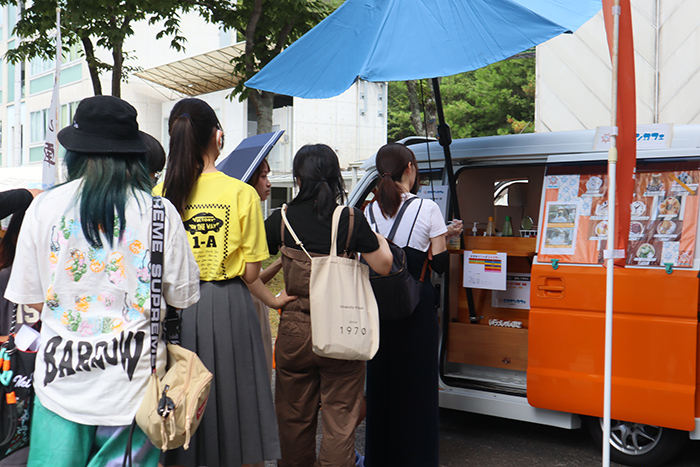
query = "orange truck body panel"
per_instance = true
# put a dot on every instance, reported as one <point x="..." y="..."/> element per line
<point x="655" y="337"/>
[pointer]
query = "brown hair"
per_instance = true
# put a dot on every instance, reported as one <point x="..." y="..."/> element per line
<point x="392" y="160"/>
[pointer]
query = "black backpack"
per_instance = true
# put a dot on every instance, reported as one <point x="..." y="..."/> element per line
<point x="398" y="292"/>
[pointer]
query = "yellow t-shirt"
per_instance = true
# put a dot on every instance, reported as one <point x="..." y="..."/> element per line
<point x="224" y="225"/>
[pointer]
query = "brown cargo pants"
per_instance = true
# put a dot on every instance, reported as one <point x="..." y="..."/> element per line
<point x="306" y="382"/>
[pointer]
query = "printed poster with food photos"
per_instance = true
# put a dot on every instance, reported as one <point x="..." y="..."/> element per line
<point x="662" y="226"/>
<point x="664" y="219"/>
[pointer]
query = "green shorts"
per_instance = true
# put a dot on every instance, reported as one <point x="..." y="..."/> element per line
<point x="58" y="442"/>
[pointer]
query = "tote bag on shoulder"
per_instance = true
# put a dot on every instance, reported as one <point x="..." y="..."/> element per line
<point x="344" y="312"/>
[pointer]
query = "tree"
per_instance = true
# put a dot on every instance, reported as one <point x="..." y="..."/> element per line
<point x="267" y="26"/>
<point x="93" y="24"/>
<point x="497" y="99"/>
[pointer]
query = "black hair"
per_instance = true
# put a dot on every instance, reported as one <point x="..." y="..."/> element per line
<point x="107" y="180"/>
<point x="155" y="156"/>
<point x="317" y="171"/>
<point x="8" y="243"/>
<point x="191" y="125"/>
<point x="392" y="160"/>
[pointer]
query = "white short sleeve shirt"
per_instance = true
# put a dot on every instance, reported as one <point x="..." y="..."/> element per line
<point x="93" y="362"/>
<point x="422" y="221"/>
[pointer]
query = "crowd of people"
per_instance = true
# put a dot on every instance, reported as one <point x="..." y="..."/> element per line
<point x="81" y="259"/>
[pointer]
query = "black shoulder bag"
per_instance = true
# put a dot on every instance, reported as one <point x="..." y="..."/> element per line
<point x="397" y="293"/>
<point x="17" y="392"/>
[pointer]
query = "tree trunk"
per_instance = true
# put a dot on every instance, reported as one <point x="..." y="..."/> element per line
<point x="414" y="106"/>
<point x="92" y="64"/>
<point x="263" y="102"/>
<point x="118" y="58"/>
<point x="431" y="110"/>
<point x="428" y="106"/>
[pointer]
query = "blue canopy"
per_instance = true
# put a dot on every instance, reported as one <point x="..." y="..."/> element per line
<point x="397" y="40"/>
<point x="248" y="155"/>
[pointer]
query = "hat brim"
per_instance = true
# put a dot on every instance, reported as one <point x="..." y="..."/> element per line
<point x="74" y="140"/>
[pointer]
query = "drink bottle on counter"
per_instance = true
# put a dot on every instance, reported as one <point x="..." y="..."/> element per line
<point x="507" y="228"/>
<point x="490" y="230"/>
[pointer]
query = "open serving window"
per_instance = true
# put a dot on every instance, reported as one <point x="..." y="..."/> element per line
<point x="664" y="214"/>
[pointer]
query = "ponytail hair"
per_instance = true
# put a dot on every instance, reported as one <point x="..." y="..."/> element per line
<point x="392" y="160"/>
<point x="317" y="170"/>
<point x="191" y="126"/>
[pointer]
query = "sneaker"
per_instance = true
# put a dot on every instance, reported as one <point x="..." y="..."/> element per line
<point x="359" y="460"/>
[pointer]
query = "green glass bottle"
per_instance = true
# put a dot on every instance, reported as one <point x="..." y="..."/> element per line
<point x="507" y="228"/>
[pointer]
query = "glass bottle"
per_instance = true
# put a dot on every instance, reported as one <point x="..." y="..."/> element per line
<point x="507" y="228"/>
<point x="490" y="231"/>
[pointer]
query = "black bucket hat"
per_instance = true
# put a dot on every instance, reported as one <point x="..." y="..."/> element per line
<point x="102" y="125"/>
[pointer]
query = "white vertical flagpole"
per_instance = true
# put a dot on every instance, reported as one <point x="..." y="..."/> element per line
<point x="50" y="164"/>
<point x="610" y="250"/>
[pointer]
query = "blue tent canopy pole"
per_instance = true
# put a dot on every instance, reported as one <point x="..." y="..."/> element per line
<point x="445" y="139"/>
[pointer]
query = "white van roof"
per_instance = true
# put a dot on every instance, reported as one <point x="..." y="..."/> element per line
<point x="552" y="147"/>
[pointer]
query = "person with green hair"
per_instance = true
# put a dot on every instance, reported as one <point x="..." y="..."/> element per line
<point x="83" y="261"/>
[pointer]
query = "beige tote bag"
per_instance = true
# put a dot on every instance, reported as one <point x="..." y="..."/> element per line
<point x="344" y="312"/>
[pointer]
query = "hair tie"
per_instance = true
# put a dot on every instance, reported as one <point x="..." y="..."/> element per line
<point x="323" y="180"/>
<point x="385" y="174"/>
<point x="186" y="115"/>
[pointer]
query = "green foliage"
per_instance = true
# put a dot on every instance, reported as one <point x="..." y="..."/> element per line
<point x="107" y="24"/>
<point x="281" y="23"/>
<point x="495" y="100"/>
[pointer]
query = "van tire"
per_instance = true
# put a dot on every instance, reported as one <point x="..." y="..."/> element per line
<point x="656" y="445"/>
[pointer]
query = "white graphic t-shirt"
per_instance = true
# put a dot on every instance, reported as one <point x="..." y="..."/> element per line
<point x="94" y="359"/>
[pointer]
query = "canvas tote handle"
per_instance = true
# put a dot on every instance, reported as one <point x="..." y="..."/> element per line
<point x="334" y="230"/>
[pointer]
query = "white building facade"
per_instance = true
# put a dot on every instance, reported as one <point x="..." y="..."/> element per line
<point x="354" y="123"/>
<point x="574" y="77"/>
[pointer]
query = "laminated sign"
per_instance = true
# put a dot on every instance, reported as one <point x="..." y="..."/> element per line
<point x="662" y="226"/>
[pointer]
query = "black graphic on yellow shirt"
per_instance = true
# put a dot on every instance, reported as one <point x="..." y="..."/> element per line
<point x="204" y="222"/>
<point x="208" y="231"/>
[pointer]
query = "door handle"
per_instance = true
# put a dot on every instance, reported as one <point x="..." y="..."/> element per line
<point x="550" y="287"/>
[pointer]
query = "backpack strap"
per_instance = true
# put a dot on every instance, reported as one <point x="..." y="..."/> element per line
<point x="410" y="232"/>
<point x="399" y="216"/>
<point x="157" y="249"/>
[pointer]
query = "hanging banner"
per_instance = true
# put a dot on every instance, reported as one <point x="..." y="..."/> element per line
<point x="49" y="167"/>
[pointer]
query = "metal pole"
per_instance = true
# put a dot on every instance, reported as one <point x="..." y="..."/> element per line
<point x="17" y="130"/>
<point x="610" y="249"/>
<point x="445" y="138"/>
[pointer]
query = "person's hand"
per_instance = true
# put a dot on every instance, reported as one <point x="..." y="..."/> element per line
<point x="282" y="299"/>
<point x="35" y="192"/>
<point x="454" y="229"/>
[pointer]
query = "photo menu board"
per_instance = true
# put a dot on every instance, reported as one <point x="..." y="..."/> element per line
<point x="664" y="215"/>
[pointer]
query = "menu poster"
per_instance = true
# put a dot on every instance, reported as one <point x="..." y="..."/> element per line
<point x="485" y="270"/>
<point x="561" y="227"/>
<point x="664" y="219"/>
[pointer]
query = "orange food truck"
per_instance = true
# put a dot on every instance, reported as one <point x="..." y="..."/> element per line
<point x="523" y="317"/>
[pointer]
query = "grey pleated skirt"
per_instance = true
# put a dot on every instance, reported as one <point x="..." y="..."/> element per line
<point x="239" y="424"/>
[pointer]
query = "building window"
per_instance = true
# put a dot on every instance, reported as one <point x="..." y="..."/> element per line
<point x="40" y="65"/>
<point x="37" y="126"/>
<point x="67" y="113"/>
<point x="73" y="54"/>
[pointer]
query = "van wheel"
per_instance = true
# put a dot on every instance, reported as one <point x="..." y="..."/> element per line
<point x="638" y="444"/>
